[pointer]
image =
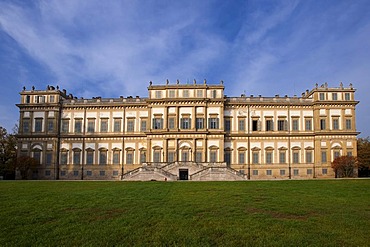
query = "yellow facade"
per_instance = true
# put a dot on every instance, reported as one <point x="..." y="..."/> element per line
<point x="190" y="131"/>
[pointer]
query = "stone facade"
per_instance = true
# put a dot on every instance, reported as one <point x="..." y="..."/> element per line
<point x="190" y="131"/>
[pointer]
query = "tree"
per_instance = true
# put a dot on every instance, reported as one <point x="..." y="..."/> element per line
<point x="363" y="156"/>
<point x="345" y="166"/>
<point x="24" y="165"/>
<point x="8" y="154"/>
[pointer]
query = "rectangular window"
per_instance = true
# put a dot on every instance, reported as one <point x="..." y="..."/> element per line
<point x="200" y="123"/>
<point x="347" y="96"/>
<point x="117" y="125"/>
<point x="322" y="96"/>
<point x="241" y="124"/>
<point x="213" y="156"/>
<point x="37" y="156"/>
<point x="26" y="125"/>
<point x="171" y="123"/>
<point x="185" y="123"/>
<point x="349" y="153"/>
<point x="336" y="154"/>
<point x="256" y="125"/>
<point x="157" y="123"/>
<point x="38" y="124"/>
<point x="49" y="158"/>
<point x="200" y="93"/>
<point x="295" y="157"/>
<point x="348" y="124"/>
<point x="78" y="125"/>
<point x="102" y="173"/>
<point x="62" y="173"/>
<point x="255" y="158"/>
<point x="65" y="126"/>
<point x="170" y="156"/>
<point x="63" y="158"/>
<point x="268" y="172"/>
<point x="213" y="123"/>
<point x="324" y="171"/>
<point x="75" y="173"/>
<point x="269" y="125"/>
<point x="89" y="173"/>
<point x="335" y="124"/>
<point x="130" y="125"/>
<point x="104" y="125"/>
<point x="185" y="93"/>
<point x="52" y="98"/>
<point x="90" y="157"/>
<point x="91" y="125"/>
<point x="143" y="125"/>
<point x="227" y="124"/>
<point x="241" y="157"/>
<point x="282" y="125"/>
<point x="308" y="124"/>
<point x="282" y="172"/>
<point x="158" y="94"/>
<point x="115" y="173"/>
<point x="268" y="157"/>
<point x="171" y="94"/>
<point x="322" y="124"/>
<point x="308" y="156"/>
<point x="157" y="156"/>
<point x="50" y="125"/>
<point x="296" y="172"/>
<point x="228" y="157"/>
<point x="129" y="158"/>
<point x="255" y="172"/>
<point x="142" y="157"/>
<point x="28" y="99"/>
<point x="199" y="156"/>
<point x="214" y="94"/>
<point x="185" y="155"/>
<point x="47" y="173"/>
<point x="76" y="157"/>
<point x="103" y="157"/>
<point x="309" y="171"/>
<point x="282" y="158"/>
<point x="295" y="125"/>
<point x="116" y="157"/>
<point x="334" y="96"/>
<point x="323" y="157"/>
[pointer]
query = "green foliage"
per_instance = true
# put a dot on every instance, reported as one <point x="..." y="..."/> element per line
<point x="363" y="156"/>
<point x="24" y="165"/>
<point x="8" y="153"/>
<point x="345" y="166"/>
<point x="253" y="213"/>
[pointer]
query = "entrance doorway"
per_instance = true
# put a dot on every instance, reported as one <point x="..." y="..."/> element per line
<point x="184" y="174"/>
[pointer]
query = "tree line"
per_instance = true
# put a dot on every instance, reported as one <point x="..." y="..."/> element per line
<point x="344" y="166"/>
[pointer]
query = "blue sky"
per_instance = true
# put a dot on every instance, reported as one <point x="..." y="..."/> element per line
<point x="112" y="48"/>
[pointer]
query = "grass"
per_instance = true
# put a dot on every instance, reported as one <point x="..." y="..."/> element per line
<point x="254" y="213"/>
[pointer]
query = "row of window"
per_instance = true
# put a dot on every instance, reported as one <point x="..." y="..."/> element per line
<point x="185" y="123"/>
<point x="283" y="172"/>
<point x="88" y="173"/>
<point x="39" y="99"/>
<point x="184" y="94"/>
<point x="185" y="155"/>
<point x="334" y="96"/>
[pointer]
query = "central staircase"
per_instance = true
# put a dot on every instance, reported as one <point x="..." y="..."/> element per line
<point x="194" y="171"/>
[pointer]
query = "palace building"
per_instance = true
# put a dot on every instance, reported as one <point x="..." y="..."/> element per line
<point x="186" y="132"/>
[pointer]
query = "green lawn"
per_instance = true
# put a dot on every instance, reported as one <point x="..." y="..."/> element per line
<point x="273" y="213"/>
